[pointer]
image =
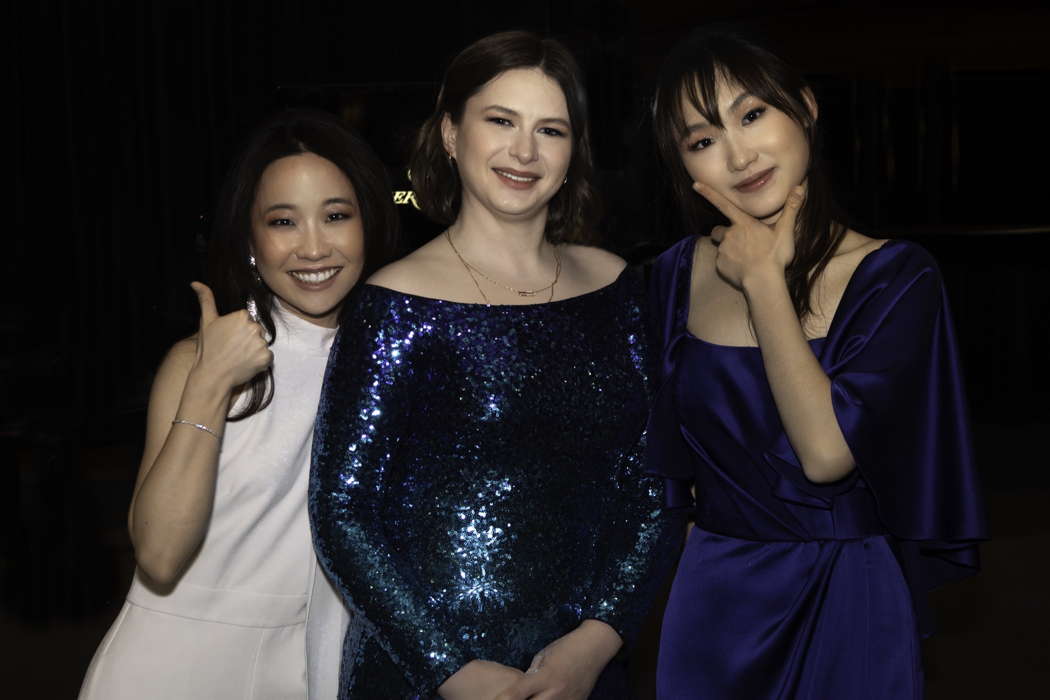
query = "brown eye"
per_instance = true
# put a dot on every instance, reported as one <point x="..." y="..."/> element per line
<point x="753" y="114"/>
<point x="700" y="144"/>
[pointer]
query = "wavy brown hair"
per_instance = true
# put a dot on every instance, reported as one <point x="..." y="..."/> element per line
<point x="692" y="72"/>
<point x="291" y="132"/>
<point x="573" y="212"/>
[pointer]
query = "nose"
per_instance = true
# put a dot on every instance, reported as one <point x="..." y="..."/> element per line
<point x="312" y="243"/>
<point x="523" y="147"/>
<point x="739" y="155"/>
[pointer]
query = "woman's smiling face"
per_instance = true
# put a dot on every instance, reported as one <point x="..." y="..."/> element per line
<point x="513" y="144"/>
<point x="308" y="236"/>
<point x="754" y="159"/>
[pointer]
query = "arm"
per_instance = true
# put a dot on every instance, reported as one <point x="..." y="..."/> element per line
<point x="801" y="389"/>
<point x="366" y="404"/>
<point x="753" y="256"/>
<point x="175" y="488"/>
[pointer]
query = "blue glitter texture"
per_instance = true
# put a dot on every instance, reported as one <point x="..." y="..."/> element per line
<point x="476" y="488"/>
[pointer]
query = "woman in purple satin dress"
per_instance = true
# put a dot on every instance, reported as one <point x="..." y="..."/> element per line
<point x="810" y="400"/>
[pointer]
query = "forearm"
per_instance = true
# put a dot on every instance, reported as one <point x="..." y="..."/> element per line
<point x="642" y="543"/>
<point x="800" y="387"/>
<point x="380" y="583"/>
<point x="171" y="508"/>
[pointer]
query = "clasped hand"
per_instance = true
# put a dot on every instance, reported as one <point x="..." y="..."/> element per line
<point x="748" y="247"/>
<point x="566" y="669"/>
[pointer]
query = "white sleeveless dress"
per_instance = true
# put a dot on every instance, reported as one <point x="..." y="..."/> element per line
<point x="253" y="616"/>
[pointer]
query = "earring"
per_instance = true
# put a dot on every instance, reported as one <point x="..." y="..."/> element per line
<point x="251" y="262"/>
<point x="565" y="181"/>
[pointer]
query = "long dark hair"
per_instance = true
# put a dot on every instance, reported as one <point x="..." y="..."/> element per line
<point x="291" y="132"/>
<point x="573" y="211"/>
<point x="693" y="71"/>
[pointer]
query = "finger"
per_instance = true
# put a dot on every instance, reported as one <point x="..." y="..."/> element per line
<point x="718" y="233"/>
<point x="207" y="302"/>
<point x="722" y="204"/>
<point x="789" y="216"/>
<point x="522" y="689"/>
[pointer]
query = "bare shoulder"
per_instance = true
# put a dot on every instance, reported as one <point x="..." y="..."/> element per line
<point x="856" y="245"/>
<point x="592" y="267"/>
<point x="416" y="273"/>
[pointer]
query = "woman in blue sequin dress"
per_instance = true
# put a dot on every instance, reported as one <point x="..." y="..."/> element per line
<point x="476" y="490"/>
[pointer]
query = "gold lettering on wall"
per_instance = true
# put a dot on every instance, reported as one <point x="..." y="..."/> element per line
<point x="405" y="197"/>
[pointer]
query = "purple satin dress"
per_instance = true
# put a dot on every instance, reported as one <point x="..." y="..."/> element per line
<point x="791" y="589"/>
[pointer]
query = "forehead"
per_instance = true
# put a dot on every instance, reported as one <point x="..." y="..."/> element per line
<point x="695" y="100"/>
<point x="527" y="90"/>
<point x="302" y="173"/>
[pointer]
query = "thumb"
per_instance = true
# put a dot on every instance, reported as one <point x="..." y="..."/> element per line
<point x="207" y="302"/>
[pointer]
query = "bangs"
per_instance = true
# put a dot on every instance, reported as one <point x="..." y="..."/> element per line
<point x="699" y="86"/>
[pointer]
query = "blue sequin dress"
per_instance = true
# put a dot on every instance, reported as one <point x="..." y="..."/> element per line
<point x="476" y="488"/>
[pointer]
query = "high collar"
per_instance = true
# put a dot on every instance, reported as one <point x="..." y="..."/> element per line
<point x="300" y="333"/>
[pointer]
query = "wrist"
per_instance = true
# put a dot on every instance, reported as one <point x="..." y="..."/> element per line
<point x="602" y="640"/>
<point x="205" y="397"/>
<point x="208" y="384"/>
<point x="763" y="281"/>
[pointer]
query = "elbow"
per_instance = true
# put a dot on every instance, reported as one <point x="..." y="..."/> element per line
<point x="161" y="570"/>
<point x="829" y="466"/>
<point x="160" y="564"/>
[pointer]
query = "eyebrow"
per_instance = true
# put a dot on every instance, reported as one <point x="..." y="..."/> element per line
<point x="508" y="110"/>
<point x="696" y="126"/>
<point x="331" y="200"/>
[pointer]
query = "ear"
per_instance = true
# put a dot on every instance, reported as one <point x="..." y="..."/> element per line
<point x="448" y="135"/>
<point x="811" y="103"/>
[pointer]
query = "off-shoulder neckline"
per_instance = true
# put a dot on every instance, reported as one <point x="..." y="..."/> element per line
<point x="542" y="304"/>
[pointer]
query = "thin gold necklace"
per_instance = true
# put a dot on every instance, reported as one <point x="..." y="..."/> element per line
<point x="520" y="292"/>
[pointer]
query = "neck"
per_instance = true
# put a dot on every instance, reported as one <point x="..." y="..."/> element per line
<point x="514" y="246"/>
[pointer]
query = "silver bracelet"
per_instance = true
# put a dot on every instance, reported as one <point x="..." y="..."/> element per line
<point x="198" y="426"/>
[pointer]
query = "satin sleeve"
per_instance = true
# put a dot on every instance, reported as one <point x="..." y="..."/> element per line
<point x="667" y="453"/>
<point x="367" y="396"/>
<point x="897" y="390"/>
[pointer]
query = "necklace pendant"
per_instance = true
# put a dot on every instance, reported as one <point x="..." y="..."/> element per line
<point x="526" y="293"/>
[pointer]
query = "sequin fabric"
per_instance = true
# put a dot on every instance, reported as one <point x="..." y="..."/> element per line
<point x="476" y="488"/>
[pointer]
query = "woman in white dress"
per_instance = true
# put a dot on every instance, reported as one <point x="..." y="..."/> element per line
<point x="227" y="599"/>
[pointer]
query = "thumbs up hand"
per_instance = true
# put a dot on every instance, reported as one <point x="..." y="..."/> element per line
<point x="232" y="348"/>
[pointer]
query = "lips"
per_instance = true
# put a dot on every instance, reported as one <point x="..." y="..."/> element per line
<point x="314" y="277"/>
<point x="518" y="179"/>
<point x="756" y="182"/>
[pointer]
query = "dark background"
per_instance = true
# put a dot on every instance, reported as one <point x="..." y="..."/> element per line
<point x="123" y="117"/>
